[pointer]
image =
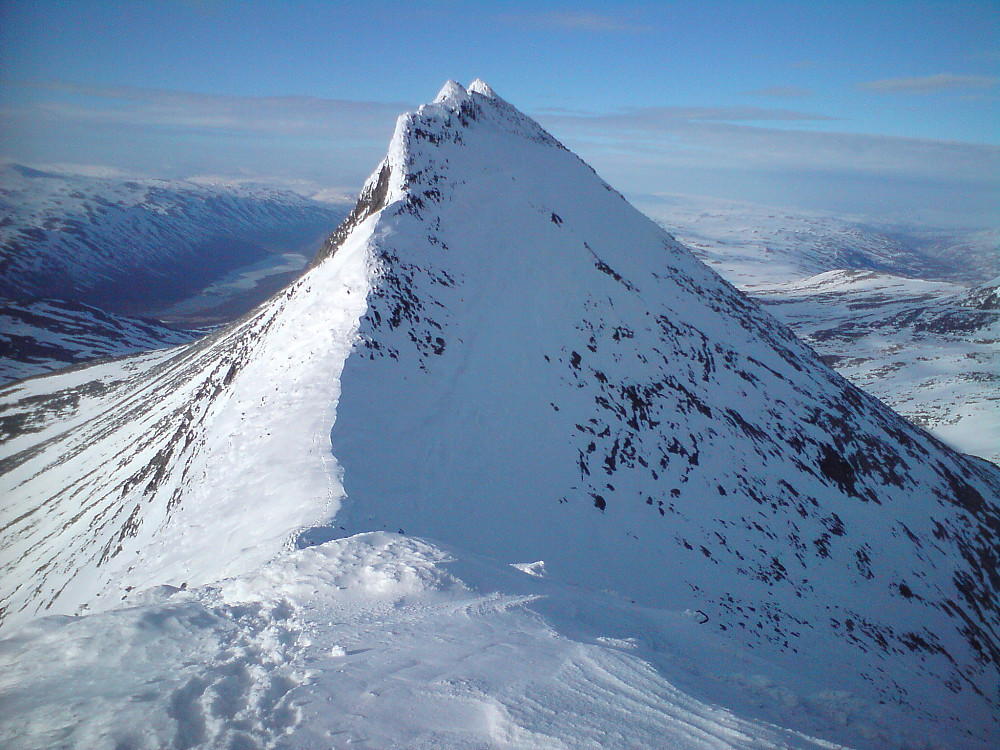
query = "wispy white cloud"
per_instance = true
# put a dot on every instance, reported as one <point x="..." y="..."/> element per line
<point x="593" y="23"/>
<point x="722" y="137"/>
<point x="654" y="117"/>
<point x="333" y="143"/>
<point x="907" y="179"/>
<point x="930" y="84"/>
<point x="781" y="92"/>
<point x="125" y="105"/>
<point x="755" y="153"/>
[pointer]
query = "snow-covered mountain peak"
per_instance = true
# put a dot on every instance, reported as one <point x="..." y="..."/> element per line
<point x="478" y="106"/>
<point x="477" y="117"/>
<point x="570" y="384"/>
<point x="479" y="86"/>
<point x="497" y="352"/>
<point x="452" y="93"/>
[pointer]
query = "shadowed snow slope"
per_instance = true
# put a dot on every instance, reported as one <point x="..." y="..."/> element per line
<point x="43" y="335"/>
<point x="524" y="367"/>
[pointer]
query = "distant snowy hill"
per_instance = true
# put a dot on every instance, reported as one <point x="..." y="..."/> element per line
<point x="750" y="243"/>
<point x="46" y="335"/>
<point x="552" y="481"/>
<point x="134" y="246"/>
<point x="972" y="256"/>
<point x="985" y="296"/>
<point x="928" y="345"/>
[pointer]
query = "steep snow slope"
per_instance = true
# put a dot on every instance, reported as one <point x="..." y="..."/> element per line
<point x="176" y="466"/>
<point x="532" y="371"/>
<point x="45" y="335"/>
<point x="569" y="384"/>
<point x="134" y="245"/>
<point x="927" y="348"/>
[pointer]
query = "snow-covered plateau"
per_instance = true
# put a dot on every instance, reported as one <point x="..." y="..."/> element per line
<point x="506" y="467"/>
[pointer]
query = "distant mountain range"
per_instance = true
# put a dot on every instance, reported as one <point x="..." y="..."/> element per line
<point x="93" y="266"/>
<point x="910" y="316"/>
<point x="136" y="246"/>
<point x="44" y="335"/>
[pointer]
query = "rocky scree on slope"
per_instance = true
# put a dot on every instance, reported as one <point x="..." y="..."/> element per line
<point x="985" y="296"/>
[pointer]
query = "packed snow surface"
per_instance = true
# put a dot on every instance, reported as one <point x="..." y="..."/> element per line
<point x="506" y="467"/>
<point x="379" y="641"/>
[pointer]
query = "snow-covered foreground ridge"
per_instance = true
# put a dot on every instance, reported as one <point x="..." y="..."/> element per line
<point x="299" y="654"/>
<point x="510" y="359"/>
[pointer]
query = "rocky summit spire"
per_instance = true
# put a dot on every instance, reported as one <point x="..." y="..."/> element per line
<point x="479" y="86"/>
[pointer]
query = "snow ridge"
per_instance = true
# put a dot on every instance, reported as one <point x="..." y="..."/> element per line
<point x="177" y="466"/>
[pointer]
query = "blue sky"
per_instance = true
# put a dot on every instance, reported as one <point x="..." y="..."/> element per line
<point x="839" y="105"/>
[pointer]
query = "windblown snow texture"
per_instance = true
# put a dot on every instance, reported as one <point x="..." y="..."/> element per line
<point x="532" y="370"/>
